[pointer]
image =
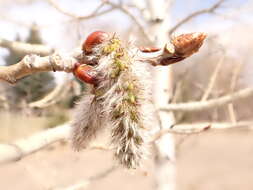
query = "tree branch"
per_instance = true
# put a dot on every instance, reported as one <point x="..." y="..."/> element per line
<point x="182" y="47"/>
<point x="178" y="49"/>
<point x="16" y="151"/>
<point x="26" y="48"/>
<point x="84" y="183"/>
<point x="213" y="79"/>
<point x="234" y="78"/>
<point x="31" y="64"/>
<point x="94" y="13"/>
<point x="53" y="97"/>
<point x="199" y="106"/>
<point x="130" y="15"/>
<point x="21" y="148"/>
<point x="185" y="131"/>
<point x="195" y="14"/>
<point x="216" y="125"/>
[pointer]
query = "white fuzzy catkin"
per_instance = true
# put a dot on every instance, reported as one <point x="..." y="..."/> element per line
<point x="88" y="120"/>
<point x="120" y="101"/>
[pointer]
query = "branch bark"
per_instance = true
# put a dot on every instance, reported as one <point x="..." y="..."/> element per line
<point x="195" y="14"/>
<point x="133" y="18"/>
<point x="162" y="92"/>
<point x="31" y="64"/>
<point x="86" y="182"/>
<point x="200" y="106"/>
<point x="16" y="151"/>
<point x="53" y="97"/>
<point x="26" y="48"/>
<point x="94" y="13"/>
<point x="21" y="148"/>
<point x="213" y="79"/>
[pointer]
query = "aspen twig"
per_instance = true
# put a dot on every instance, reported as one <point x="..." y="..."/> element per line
<point x="200" y="106"/>
<point x="195" y="14"/>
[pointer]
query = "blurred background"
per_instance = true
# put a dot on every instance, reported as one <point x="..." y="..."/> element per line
<point x="216" y="159"/>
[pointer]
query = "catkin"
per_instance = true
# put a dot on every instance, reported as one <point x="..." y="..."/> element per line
<point x="121" y="101"/>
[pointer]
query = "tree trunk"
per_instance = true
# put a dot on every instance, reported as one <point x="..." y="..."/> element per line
<point x="162" y="93"/>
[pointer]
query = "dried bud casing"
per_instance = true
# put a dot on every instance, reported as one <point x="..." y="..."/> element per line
<point x="187" y="44"/>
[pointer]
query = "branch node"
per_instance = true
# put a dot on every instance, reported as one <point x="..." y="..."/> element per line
<point x="28" y="60"/>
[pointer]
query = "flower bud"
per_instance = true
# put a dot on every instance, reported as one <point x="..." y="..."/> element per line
<point x="84" y="73"/>
<point x="187" y="44"/>
<point x="94" y="39"/>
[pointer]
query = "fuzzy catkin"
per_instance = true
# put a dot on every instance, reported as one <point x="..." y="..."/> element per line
<point x="121" y="101"/>
<point x="87" y="121"/>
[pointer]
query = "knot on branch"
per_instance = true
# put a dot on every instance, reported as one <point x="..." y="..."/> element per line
<point x="30" y="60"/>
<point x="61" y="62"/>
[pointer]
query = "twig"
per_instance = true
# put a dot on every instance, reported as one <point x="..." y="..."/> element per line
<point x="200" y="106"/>
<point x="53" y="97"/>
<point x="195" y="14"/>
<point x="84" y="183"/>
<point x="213" y="125"/>
<point x="31" y="64"/>
<point x="134" y="18"/>
<point x="179" y="132"/>
<point x="16" y="151"/>
<point x="26" y="48"/>
<point x="212" y="80"/>
<point x="21" y="148"/>
<point x="176" y="50"/>
<point x="234" y="78"/>
<point x="94" y="13"/>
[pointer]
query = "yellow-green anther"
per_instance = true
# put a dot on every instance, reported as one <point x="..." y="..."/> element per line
<point x="134" y="116"/>
<point x="131" y="98"/>
<point x="130" y="86"/>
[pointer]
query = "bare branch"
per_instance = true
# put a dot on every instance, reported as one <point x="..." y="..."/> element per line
<point x="94" y="13"/>
<point x="16" y="151"/>
<point x="133" y="17"/>
<point x="180" y="48"/>
<point x="195" y="14"/>
<point x="53" y="97"/>
<point x="234" y="78"/>
<point x="188" y="131"/>
<point x="26" y="48"/>
<point x="19" y="149"/>
<point x="31" y="64"/>
<point x="84" y="183"/>
<point x="212" y="80"/>
<point x="199" y="106"/>
<point x="219" y="125"/>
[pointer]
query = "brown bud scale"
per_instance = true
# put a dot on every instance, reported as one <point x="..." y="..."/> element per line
<point x="187" y="44"/>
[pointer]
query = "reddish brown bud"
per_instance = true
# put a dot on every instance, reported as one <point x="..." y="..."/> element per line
<point x="84" y="73"/>
<point x="94" y="39"/>
<point x="187" y="44"/>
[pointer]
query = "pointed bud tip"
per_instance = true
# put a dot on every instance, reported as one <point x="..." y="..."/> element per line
<point x="201" y="36"/>
<point x="187" y="44"/>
